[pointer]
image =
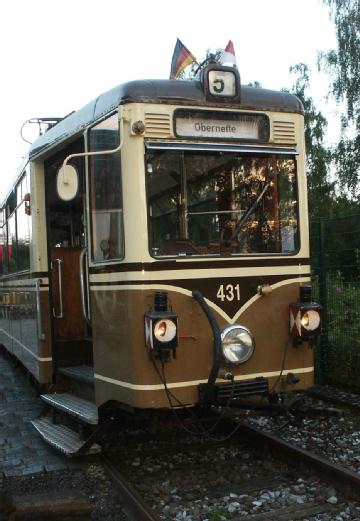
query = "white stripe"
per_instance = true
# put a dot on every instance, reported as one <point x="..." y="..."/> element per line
<point x="183" y="291"/>
<point x="210" y="273"/>
<point x="157" y="387"/>
<point x="26" y="348"/>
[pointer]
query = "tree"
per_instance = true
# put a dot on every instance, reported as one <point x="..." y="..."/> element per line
<point x="344" y="66"/>
<point x="321" y="190"/>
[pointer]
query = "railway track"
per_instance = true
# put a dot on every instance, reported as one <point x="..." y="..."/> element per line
<point x="329" y="394"/>
<point x="142" y="505"/>
<point x="345" y="480"/>
<point x="135" y="508"/>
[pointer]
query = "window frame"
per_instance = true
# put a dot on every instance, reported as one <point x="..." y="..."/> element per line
<point x="90" y="229"/>
<point x="7" y="215"/>
<point x="246" y="150"/>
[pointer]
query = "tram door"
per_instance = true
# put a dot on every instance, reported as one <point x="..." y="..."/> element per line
<point x="72" y="339"/>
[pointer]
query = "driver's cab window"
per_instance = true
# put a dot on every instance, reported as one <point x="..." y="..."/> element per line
<point x="105" y="192"/>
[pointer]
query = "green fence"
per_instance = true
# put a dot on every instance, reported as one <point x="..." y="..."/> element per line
<point x="335" y="263"/>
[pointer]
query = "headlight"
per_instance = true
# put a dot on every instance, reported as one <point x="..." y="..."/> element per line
<point x="164" y="330"/>
<point x="310" y="320"/>
<point x="238" y="344"/>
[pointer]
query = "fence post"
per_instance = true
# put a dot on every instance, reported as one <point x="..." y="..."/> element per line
<point x="324" y="339"/>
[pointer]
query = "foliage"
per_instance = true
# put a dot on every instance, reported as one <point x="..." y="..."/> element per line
<point x="343" y="331"/>
<point x="344" y="66"/>
<point x="321" y="190"/>
<point x="335" y="261"/>
<point x="195" y="67"/>
<point x="220" y="514"/>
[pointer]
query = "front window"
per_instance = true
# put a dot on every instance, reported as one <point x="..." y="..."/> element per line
<point x="223" y="203"/>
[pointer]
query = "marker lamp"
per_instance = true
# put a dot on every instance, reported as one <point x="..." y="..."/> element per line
<point x="164" y="330"/>
<point x="161" y="330"/>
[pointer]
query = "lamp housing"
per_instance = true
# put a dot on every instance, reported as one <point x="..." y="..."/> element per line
<point x="305" y="316"/>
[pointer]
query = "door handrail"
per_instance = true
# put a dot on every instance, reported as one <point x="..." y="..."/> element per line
<point x="59" y="267"/>
<point x="41" y="335"/>
<point x="85" y="308"/>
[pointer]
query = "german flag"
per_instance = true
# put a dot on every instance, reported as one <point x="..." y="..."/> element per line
<point x="182" y="57"/>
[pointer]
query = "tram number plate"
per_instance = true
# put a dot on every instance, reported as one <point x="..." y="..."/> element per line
<point x="228" y="292"/>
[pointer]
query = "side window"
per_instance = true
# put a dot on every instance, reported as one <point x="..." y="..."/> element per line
<point x="105" y="192"/>
<point x="15" y="230"/>
<point x="23" y="237"/>
<point x="11" y="244"/>
<point x="3" y="249"/>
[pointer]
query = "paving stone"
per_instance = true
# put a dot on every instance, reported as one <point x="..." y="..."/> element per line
<point x="33" y="469"/>
<point x="22" y="452"/>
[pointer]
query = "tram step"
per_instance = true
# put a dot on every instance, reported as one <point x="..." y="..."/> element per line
<point x="82" y="373"/>
<point x="62" y="438"/>
<point x="78" y="407"/>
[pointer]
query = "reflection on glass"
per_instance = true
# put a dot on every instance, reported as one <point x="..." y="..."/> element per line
<point x="3" y="249"/>
<point x="105" y="185"/>
<point x="11" y="244"/>
<point x="221" y="203"/>
<point x="23" y="238"/>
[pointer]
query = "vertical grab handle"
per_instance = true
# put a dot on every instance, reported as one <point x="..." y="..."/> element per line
<point x="84" y="295"/>
<point x="61" y="312"/>
<point x="41" y="335"/>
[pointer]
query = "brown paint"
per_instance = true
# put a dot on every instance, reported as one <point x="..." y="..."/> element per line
<point x="120" y="352"/>
<point x="73" y="324"/>
<point x="199" y="263"/>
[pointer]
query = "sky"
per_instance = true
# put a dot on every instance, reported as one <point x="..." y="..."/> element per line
<point x="58" y="56"/>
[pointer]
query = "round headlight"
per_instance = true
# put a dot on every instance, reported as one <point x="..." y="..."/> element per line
<point x="310" y="320"/>
<point x="164" y="330"/>
<point x="238" y="344"/>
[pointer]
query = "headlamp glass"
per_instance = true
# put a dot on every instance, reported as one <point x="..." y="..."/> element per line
<point x="164" y="330"/>
<point x="310" y="320"/>
<point x="238" y="344"/>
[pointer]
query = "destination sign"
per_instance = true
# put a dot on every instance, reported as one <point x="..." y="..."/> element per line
<point x="220" y="125"/>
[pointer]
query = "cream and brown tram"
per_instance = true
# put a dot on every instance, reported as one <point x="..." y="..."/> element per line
<point x="154" y="253"/>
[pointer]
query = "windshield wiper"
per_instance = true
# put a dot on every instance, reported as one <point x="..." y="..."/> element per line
<point x="244" y="219"/>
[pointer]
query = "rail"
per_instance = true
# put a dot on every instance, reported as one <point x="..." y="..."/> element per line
<point x="346" y="480"/>
<point x="134" y="506"/>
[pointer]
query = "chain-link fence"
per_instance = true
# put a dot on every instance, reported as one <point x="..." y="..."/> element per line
<point x="335" y="261"/>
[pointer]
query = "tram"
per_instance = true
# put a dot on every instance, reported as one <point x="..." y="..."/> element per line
<point x="155" y="253"/>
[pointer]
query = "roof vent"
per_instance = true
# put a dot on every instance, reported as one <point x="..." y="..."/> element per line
<point x="284" y="132"/>
<point x="157" y="124"/>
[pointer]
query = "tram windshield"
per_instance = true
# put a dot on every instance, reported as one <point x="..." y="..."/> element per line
<point x="225" y="203"/>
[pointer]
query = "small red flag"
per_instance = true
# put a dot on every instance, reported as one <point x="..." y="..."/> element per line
<point x="182" y="57"/>
<point x="228" y="55"/>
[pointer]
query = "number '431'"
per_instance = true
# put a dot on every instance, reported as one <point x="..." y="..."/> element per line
<point x="228" y="292"/>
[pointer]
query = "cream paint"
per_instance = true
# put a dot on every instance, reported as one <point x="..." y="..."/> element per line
<point x="209" y="273"/>
<point x="176" y="385"/>
<point x="135" y="215"/>
<point x="188" y="293"/>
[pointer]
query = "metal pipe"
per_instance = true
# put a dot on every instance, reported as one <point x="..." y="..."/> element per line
<point x="85" y="309"/>
<point x="217" y="358"/>
<point x="61" y="314"/>
<point x="41" y="335"/>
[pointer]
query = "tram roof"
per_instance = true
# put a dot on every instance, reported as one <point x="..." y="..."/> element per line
<point x="159" y="91"/>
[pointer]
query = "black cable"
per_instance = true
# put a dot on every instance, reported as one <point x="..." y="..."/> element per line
<point x="282" y="367"/>
<point x="170" y="395"/>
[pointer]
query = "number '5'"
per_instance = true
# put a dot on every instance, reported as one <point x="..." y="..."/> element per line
<point x="219" y="85"/>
